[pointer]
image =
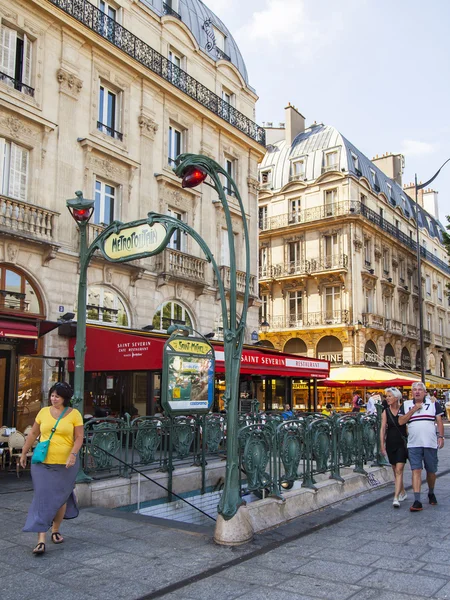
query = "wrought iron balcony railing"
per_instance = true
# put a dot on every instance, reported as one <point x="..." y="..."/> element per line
<point x="347" y="208"/>
<point x="313" y="319"/>
<point x="109" y="29"/>
<point x="17" y="85"/>
<point x="109" y="131"/>
<point x="329" y="263"/>
<point x="168" y="10"/>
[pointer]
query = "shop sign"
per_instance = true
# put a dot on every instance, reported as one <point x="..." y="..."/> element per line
<point x="370" y="354"/>
<point x="262" y="360"/>
<point x="132" y="242"/>
<point x="389" y="356"/>
<point x="405" y="359"/>
<point x="335" y="358"/>
<point x="187" y="385"/>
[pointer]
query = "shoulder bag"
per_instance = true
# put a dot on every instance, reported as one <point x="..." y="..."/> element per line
<point x="40" y="452"/>
<point x="405" y="439"/>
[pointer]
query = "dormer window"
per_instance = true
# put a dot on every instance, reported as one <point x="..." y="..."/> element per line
<point x="374" y="178"/>
<point x="266" y="179"/>
<point x="220" y="39"/>
<point x="355" y="160"/>
<point x="298" y="170"/>
<point x="331" y="162"/>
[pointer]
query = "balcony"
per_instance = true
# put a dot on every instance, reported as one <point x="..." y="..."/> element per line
<point x="438" y="340"/>
<point x="328" y="168"/>
<point x="289" y="269"/>
<point x="372" y="320"/>
<point x="17" y="85"/>
<point x="96" y="20"/>
<point x="395" y="327"/>
<point x="22" y="218"/>
<point x="308" y="320"/>
<point x="335" y="262"/>
<point x="240" y="281"/>
<point x="352" y="208"/>
<point x="297" y="177"/>
<point x="185" y="267"/>
<point x="427" y="336"/>
<point x="412" y="331"/>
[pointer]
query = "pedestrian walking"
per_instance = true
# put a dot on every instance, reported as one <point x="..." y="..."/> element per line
<point x="423" y="415"/>
<point x="357" y="402"/>
<point x="393" y="442"/>
<point x="54" y="477"/>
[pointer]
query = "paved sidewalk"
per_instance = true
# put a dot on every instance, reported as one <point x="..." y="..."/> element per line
<point x="361" y="549"/>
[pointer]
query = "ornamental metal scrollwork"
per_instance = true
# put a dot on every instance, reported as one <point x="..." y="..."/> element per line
<point x="321" y="444"/>
<point x="105" y="437"/>
<point x="347" y="440"/>
<point x="213" y="432"/>
<point x="369" y="437"/>
<point x="147" y="441"/>
<point x="255" y="457"/>
<point x="183" y="436"/>
<point x="211" y="38"/>
<point x="292" y="442"/>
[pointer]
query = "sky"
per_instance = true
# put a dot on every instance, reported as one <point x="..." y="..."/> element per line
<point x="377" y="70"/>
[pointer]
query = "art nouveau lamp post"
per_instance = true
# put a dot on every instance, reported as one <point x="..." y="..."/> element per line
<point x="81" y="211"/>
<point x="233" y="525"/>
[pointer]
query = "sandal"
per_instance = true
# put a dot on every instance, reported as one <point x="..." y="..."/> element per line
<point x="57" y="538"/>
<point x="39" y="548"/>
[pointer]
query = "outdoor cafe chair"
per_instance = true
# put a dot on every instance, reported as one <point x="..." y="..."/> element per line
<point x="3" y="446"/>
<point x="16" y="442"/>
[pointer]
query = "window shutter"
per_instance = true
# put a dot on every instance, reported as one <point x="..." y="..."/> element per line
<point x="18" y="172"/>
<point x="27" y="61"/>
<point x="3" y="179"/>
<point x="8" y="41"/>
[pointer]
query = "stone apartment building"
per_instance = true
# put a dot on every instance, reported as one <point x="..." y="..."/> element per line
<point x="101" y="97"/>
<point x="337" y="254"/>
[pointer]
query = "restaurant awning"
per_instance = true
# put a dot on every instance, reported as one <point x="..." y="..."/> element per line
<point x="114" y="349"/>
<point x="18" y="329"/>
<point x="437" y="382"/>
<point x="360" y="376"/>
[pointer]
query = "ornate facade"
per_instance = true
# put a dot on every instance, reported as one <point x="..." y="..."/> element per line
<point x="102" y="97"/>
<point x="338" y="263"/>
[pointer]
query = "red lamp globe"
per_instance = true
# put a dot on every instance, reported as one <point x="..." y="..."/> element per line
<point x="192" y="177"/>
<point x="82" y="214"/>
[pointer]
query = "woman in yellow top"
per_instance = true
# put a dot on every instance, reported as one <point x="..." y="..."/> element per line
<point x="54" y="478"/>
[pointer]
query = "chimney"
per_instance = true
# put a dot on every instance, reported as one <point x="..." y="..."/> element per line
<point x="295" y="123"/>
<point x="392" y="165"/>
<point x="427" y="199"/>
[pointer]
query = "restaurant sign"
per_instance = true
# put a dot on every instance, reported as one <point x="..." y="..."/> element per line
<point x="187" y="385"/>
<point x="132" y="242"/>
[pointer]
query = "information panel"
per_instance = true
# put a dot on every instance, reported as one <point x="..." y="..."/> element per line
<point x="188" y="376"/>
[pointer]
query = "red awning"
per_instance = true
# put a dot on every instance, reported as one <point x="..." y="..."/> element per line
<point x="111" y="349"/>
<point x="18" y="329"/>
<point x="47" y="326"/>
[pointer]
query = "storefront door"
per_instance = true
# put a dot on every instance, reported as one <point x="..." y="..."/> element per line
<point x="5" y="358"/>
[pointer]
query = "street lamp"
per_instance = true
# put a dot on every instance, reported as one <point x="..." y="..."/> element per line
<point x="418" y="187"/>
<point x="233" y="525"/>
<point x="81" y="211"/>
<point x="265" y="326"/>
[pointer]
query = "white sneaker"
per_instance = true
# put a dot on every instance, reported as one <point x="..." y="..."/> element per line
<point x="396" y="503"/>
<point x="402" y="496"/>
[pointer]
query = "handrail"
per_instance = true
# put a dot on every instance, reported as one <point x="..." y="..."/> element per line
<point x="152" y="480"/>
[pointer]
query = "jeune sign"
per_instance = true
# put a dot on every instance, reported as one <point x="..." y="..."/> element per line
<point x="133" y="241"/>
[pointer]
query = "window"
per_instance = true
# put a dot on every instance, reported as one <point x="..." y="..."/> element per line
<point x="386" y="268"/>
<point x="439" y="291"/>
<point x="17" y="293"/>
<point x="108" y="20"/>
<point x="266" y="179"/>
<point x="294" y="256"/>
<point x="105" y="196"/>
<point x="263" y="262"/>
<point x="173" y="4"/>
<point x="363" y="199"/>
<point x="389" y="188"/>
<point x="225" y="249"/>
<point x="381" y="211"/>
<point x="330" y="201"/>
<point x="368" y="300"/>
<point x="441" y="326"/>
<point x="332" y="304"/>
<point x="262" y="217"/>
<point x="367" y="252"/>
<point x="294" y="210"/>
<point x="228" y="101"/>
<point x="428" y="285"/>
<point x="14" y="161"/>
<point x="429" y="321"/>
<point x="220" y="39"/>
<point x="295" y="307"/>
<point x="177" y="241"/>
<point x="109" y="113"/>
<point x="263" y="309"/>
<point x="401" y="270"/>
<point x="387" y="301"/>
<point x="174" y="66"/>
<point x="105" y="306"/>
<point x="331" y="250"/>
<point x="171" y="313"/>
<point x="298" y="170"/>
<point x="331" y="162"/>
<point x="356" y="164"/>
<point x="397" y="225"/>
<point x="230" y="168"/>
<point x="176" y="142"/>
<point x="16" y="60"/>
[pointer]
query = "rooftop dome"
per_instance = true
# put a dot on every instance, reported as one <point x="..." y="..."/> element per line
<point x="200" y="20"/>
<point x="314" y="144"/>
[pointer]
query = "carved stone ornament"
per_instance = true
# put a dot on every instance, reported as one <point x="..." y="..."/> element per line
<point x="17" y="128"/>
<point x="378" y="254"/>
<point x="69" y="83"/>
<point x="394" y="262"/>
<point x="148" y="126"/>
<point x="12" y="251"/>
<point x="357" y="244"/>
<point x="253" y="184"/>
<point x="107" y="168"/>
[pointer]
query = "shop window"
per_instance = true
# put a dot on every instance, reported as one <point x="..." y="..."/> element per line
<point x="17" y="294"/>
<point x="171" y="313"/>
<point x="14" y="161"/>
<point x="16" y="60"/>
<point x="105" y="306"/>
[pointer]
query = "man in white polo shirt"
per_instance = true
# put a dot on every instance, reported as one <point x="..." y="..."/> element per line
<point x="422" y="414"/>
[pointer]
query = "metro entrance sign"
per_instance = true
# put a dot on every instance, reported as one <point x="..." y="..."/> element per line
<point x="130" y="242"/>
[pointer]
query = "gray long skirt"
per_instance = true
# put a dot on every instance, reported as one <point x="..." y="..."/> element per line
<point x="53" y="486"/>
